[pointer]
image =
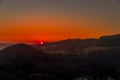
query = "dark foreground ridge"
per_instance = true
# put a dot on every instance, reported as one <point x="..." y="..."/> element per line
<point x="24" y="62"/>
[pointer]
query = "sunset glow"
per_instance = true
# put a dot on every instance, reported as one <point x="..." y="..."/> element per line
<point x="19" y="24"/>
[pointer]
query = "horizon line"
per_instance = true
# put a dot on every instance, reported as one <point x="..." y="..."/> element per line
<point x="45" y="41"/>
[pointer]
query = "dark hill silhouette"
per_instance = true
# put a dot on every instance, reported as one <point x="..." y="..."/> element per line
<point x="69" y="46"/>
<point x="19" y="55"/>
<point x="19" y="59"/>
<point x="76" y="46"/>
<point x="111" y="40"/>
<point x="19" y="50"/>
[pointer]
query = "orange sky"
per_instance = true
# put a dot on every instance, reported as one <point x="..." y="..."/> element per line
<point x="50" y="20"/>
<point x="49" y="28"/>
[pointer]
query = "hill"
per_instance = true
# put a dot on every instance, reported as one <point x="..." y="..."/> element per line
<point x="78" y="46"/>
<point x="23" y="62"/>
<point x="111" y="41"/>
<point x="19" y="55"/>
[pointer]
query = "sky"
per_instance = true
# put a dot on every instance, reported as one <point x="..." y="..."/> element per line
<point x="53" y="20"/>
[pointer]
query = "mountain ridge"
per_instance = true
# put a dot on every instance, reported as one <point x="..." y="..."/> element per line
<point x="78" y="45"/>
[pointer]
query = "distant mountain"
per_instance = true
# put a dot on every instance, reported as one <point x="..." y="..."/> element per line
<point x="111" y="40"/>
<point x="68" y="46"/>
<point x="77" y="46"/>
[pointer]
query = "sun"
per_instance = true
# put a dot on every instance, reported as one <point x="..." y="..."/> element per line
<point x="41" y="42"/>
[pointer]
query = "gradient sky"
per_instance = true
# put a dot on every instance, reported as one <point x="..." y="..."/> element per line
<point x="52" y="20"/>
